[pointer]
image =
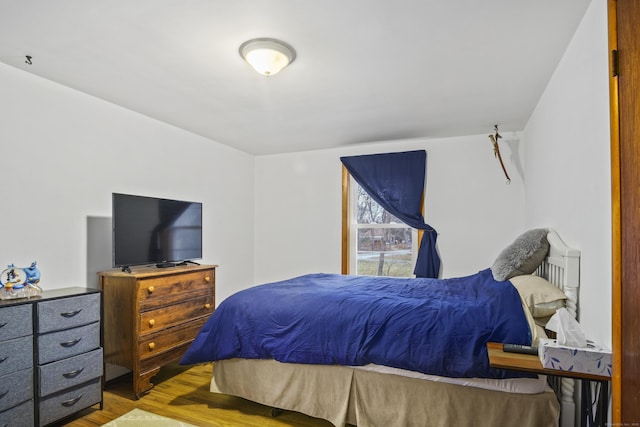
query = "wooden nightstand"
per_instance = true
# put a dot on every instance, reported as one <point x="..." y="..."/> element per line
<point x="531" y="363"/>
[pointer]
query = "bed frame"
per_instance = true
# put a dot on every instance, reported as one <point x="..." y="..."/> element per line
<point x="342" y="394"/>
<point x="562" y="268"/>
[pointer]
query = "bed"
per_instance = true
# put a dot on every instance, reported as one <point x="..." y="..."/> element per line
<point x="372" y="382"/>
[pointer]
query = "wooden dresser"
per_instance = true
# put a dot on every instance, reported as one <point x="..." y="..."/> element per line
<point x="152" y="315"/>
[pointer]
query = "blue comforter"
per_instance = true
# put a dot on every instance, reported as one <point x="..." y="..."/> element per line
<point x="432" y="326"/>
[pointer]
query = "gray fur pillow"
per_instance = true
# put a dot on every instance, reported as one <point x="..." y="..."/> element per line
<point x="523" y="256"/>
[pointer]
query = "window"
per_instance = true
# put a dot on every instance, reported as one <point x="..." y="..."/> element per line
<point x="396" y="181"/>
<point x="377" y="243"/>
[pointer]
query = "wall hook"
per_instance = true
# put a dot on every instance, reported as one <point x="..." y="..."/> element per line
<point x="496" y="151"/>
<point x="28" y="61"/>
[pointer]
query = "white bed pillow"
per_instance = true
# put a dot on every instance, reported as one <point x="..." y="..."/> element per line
<point x="542" y="298"/>
<point x="523" y="256"/>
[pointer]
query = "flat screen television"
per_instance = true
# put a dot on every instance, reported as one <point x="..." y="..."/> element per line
<point x="149" y="230"/>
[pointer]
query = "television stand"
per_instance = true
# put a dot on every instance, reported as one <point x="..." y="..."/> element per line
<point x="166" y="265"/>
<point x="187" y="262"/>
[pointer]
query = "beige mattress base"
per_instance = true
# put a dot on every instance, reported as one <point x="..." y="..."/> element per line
<point x="342" y="394"/>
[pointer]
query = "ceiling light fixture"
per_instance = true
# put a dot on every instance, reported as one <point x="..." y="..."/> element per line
<point x="267" y="56"/>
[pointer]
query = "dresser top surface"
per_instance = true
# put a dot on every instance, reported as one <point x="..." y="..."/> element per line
<point x="150" y="271"/>
<point x="49" y="294"/>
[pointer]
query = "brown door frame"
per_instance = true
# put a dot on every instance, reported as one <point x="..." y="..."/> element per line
<point x="624" y="85"/>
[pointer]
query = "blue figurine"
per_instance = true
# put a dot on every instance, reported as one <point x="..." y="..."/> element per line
<point x="33" y="274"/>
<point x="20" y="282"/>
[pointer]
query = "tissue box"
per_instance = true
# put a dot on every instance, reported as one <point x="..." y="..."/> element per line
<point x="591" y="360"/>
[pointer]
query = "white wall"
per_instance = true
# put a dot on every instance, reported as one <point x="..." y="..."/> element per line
<point x="63" y="153"/>
<point x="567" y="163"/>
<point x="299" y="205"/>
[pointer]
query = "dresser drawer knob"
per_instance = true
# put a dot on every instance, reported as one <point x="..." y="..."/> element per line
<point x="151" y="289"/>
<point x="207" y="306"/>
<point x="207" y="279"/>
<point x="152" y="322"/>
<point x="71" y="402"/>
<point x="70" y="343"/>
<point x="70" y="313"/>
<point x="73" y="374"/>
<point x="152" y="345"/>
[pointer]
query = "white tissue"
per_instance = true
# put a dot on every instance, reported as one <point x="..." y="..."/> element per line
<point x="567" y="329"/>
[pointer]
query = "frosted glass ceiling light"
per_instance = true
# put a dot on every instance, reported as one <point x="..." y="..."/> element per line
<point x="267" y="56"/>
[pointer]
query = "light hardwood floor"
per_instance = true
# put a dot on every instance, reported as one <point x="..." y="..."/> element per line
<point x="183" y="393"/>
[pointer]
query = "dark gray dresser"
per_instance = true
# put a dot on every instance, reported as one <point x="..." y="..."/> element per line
<point x="51" y="358"/>
<point x="16" y="365"/>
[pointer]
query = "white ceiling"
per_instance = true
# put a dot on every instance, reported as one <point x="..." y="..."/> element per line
<point x="366" y="70"/>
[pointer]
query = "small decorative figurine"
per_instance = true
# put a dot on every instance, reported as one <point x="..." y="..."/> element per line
<point x="20" y="282"/>
<point x="33" y="274"/>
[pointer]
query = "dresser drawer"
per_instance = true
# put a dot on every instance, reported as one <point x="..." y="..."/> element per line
<point x="154" y="292"/>
<point x="60" y="405"/>
<point x="15" y="388"/>
<point x="62" y="344"/>
<point x="15" y="321"/>
<point x="175" y="314"/>
<point x="18" y="416"/>
<point x="161" y="341"/>
<point x="161" y="359"/>
<point x="70" y="372"/>
<point x="68" y="313"/>
<point x="16" y="354"/>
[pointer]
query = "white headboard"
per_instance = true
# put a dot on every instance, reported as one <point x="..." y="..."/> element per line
<point x="562" y="268"/>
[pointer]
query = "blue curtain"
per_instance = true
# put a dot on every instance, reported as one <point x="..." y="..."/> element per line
<point x="396" y="182"/>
